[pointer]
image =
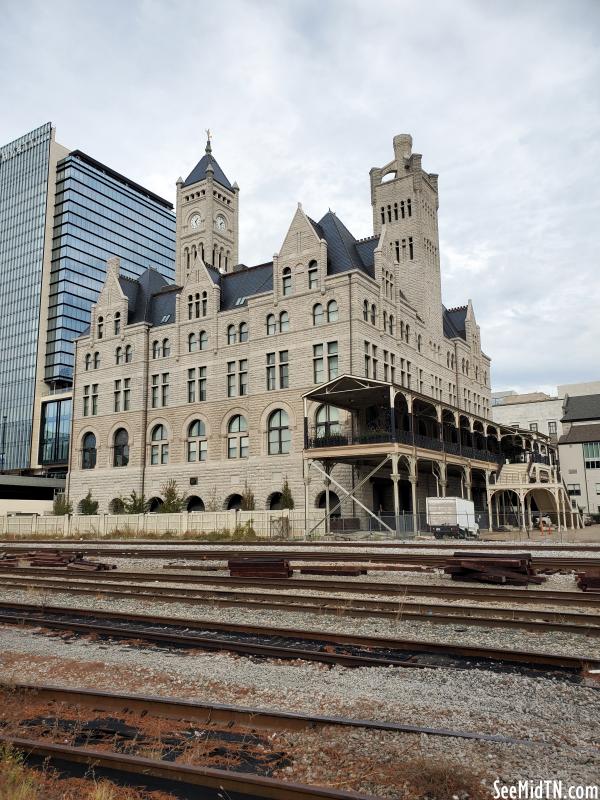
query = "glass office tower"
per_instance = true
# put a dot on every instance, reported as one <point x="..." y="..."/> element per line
<point x="24" y="166"/>
<point x="62" y="215"/>
<point x="98" y="214"/>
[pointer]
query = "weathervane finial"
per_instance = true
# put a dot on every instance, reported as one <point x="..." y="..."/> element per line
<point x="208" y="138"/>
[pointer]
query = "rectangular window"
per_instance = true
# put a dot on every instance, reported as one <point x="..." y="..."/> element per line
<point x="598" y="488"/>
<point x="284" y="377"/>
<point x="574" y="489"/>
<point x="202" y="384"/>
<point x="318" y="368"/>
<point x="533" y="426"/>
<point x="126" y="394"/>
<point x="332" y="360"/>
<point x="191" y="385"/>
<point x="243" y="377"/>
<point x="271" y="382"/>
<point x="154" y="391"/>
<point x="411" y="251"/>
<point x="164" y="389"/>
<point x="551" y="427"/>
<point x="591" y="454"/>
<point x="367" y="359"/>
<point x="117" y="395"/>
<point x="231" y="379"/>
<point x="94" y="399"/>
<point x="313" y="278"/>
<point x="86" y="401"/>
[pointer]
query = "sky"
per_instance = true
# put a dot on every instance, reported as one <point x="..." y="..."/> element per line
<point x="303" y="97"/>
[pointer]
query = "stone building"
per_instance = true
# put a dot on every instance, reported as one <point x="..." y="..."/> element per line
<point x="227" y="378"/>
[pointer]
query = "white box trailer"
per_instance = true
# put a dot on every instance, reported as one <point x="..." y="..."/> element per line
<point x="452" y="516"/>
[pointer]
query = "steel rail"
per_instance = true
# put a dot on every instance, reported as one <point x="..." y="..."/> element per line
<point x="450" y="590"/>
<point x="425" y="559"/>
<point x="255" y="718"/>
<point x="488" y="544"/>
<point x="407" y="652"/>
<point x="234" y="784"/>
<point x="539" y="621"/>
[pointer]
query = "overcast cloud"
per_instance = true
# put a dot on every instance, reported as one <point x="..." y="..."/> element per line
<point x="502" y="98"/>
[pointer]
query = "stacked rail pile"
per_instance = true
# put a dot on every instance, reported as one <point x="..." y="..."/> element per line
<point x="43" y="558"/>
<point x="514" y="569"/>
<point x="258" y="567"/>
<point x="589" y="581"/>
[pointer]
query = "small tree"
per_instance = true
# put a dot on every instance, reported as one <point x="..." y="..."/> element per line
<point x="248" y="503"/>
<point x="135" y="504"/>
<point x="173" y="502"/>
<point x="212" y="504"/>
<point x="287" y="500"/>
<point x="87" y="505"/>
<point x="61" y="506"/>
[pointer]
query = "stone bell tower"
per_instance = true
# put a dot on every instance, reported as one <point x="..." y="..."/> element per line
<point x="405" y="200"/>
<point x="207" y="218"/>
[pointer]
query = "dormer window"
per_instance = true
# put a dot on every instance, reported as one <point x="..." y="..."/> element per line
<point x="313" y="275"/>
<point x="100" y="327"/>
<point x="117" y="323"/>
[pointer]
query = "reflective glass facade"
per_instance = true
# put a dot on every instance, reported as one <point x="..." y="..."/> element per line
<point x="23" y="190"/>
<point x="98" y="214"/>
<point x="55" y="432"/>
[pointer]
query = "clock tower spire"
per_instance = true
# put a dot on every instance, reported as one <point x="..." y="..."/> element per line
<point x="207" y="217"/>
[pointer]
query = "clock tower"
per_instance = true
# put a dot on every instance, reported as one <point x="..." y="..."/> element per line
<point x="207" y="218"/>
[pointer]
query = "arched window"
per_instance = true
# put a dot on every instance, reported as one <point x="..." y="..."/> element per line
<point x="373" y="314"/>
<point x="166" y="348"/>
<point x="467" y="367"/>
<point x="119" y="355"/>
<point x="88" y="451"/>
<point x="328" y="422"/>
<point x="197" y="446"/>
<point x="192" y="343"/>
<point x="366" y="311"/>
<point x="100" y="327"/>
<point x="419" y="342"/>
<point x="332" y="311"/>
<point x="117" y="323"/>
<point x="121" y="448"/>
<point x="271" y="325"/>
<point x="190" y="306"/>
<point x="391" y="324"/>
<point x="385" y="319"/>
<point x="237" y="437"/>
<point x="402" y="329"/>
<point x="284" y="322"/>
<point x="231" y="334"/>
<point x="313" y="275"/>
<point x="448" y="360"/>
<point x="156" y="349"/>
<point x="243" y="332"/>
<point x="279" y="435"/>
<point x="128" y="354"/>
<point x="159" y="447"/>
<point x="286" y="282"/>
<point x="203" y="340"/>
<point x="204" y="304"/>
<point x="96" y="360"/>
<point x="88" y="362"/>
<point x="317" y="314"/>
<point x="407" y="333"/>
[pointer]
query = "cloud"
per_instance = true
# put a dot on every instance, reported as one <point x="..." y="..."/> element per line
<point x="304" y="98"/>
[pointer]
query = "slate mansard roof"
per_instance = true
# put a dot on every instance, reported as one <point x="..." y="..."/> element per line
<point x="152" y="299"/>
<point x="578" y="409"/>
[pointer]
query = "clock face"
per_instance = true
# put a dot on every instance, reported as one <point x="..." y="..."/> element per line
<point x="195" y="221"/>
<point x="220" y="223"/>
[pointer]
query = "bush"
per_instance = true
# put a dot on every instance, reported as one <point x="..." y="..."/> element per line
<point x="287" y="500"/>
<point x="173" y="502"/>
<point x="135" y="504"/>
<point x="244" y="533"/>
<point x="61" y="506"/>
<point x="248" y="502"/>
<point x="88" y="506"/>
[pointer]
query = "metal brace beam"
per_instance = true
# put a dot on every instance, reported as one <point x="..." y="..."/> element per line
<point x="351" y="494"/>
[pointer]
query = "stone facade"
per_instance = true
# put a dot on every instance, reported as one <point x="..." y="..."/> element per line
<point x="326" y="305"/>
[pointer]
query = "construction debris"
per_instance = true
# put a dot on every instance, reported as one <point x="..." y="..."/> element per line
<point x="43" y="558"/>
<point x="259" y="567"/>
<point x="589" y="581"/>
<point x="352" y="572"/>
<point x="514" y="569"/>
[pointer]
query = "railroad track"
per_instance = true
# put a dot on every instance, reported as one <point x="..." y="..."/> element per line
<point x="289" y="643"/>
<point x="243" y="733"/>
<point x="538" y="621"/>
<point x="447" y="591"/>
<point x="424" y="559"/>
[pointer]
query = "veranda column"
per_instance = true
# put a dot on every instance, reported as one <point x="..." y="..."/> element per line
<point x="557" y="504"/>
<point x="443" y="482"/>
<point x="564" y="506"/>
<point x="496" y="498"/>
<point x="327" y="505"/>
<point x="528" y="502"/>
<point x="306" y="470"/>
<point x="395" y="480"/>
<point x="522" y="503"/>
<point x="413" y="489"/>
